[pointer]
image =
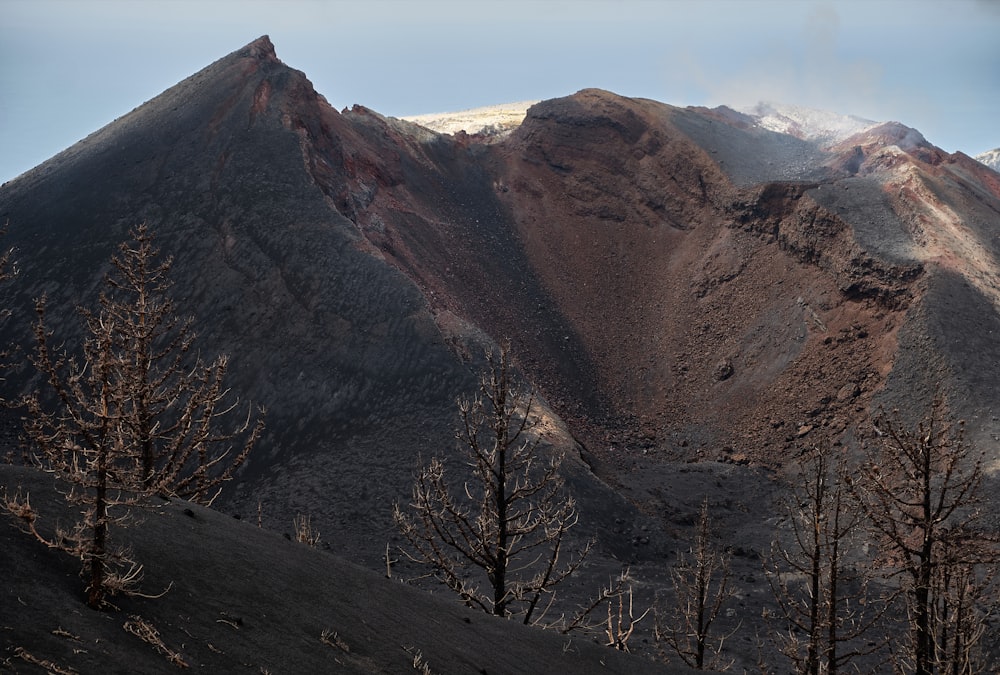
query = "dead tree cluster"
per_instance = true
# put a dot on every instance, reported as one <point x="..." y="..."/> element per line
<point x="919" y="489"/>
<point x="134" y="413"/>
<point x="827" y="602"/>
<point x="896" y="535"/>
<point x="893" y="535"/>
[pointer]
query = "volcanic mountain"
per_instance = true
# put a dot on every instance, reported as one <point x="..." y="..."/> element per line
<point x="695" y="297"/>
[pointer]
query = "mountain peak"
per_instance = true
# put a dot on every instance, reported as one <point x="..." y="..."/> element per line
<point x="262" y="48"/>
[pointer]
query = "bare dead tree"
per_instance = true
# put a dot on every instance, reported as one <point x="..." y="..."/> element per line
<point x="509" y="520"/>
<point x="304" y="533"/>
<point x="83" y="444"/>
<point x="174" y="411"/>
<point x="126" y="417"/>
<point x="919" y="489"/>
<point x="701" y="588"/>
<point x="621" y="624"/>
<point x="959" y="611"/>
<point x="832" y="612"/>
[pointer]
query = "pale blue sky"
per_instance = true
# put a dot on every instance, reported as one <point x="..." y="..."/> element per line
<point x="68" y="67"/>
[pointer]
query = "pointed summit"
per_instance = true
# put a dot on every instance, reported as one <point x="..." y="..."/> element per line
<point x="261" y="48"/>
<point x="220" y="98"/>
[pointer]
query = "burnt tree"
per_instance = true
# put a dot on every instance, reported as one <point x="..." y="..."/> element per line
<point x="817" y="575"/>
<point x="132" y="414"/>
<point x="919" y="489"/>
<point x="175" y="408"/>
<point x="82" y="441"/>
<point x="701" y="584"/>
<point x="508" y="520"/>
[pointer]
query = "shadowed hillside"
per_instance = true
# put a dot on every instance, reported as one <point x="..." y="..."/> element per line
<point x="242" y="599"/>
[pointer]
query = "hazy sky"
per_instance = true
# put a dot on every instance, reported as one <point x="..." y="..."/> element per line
<point x="68" y="67"/>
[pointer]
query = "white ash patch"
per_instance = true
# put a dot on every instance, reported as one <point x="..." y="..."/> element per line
<point x="496" y="120"/>
<point x="809" y="124"/>
<point x="990" y="158"/>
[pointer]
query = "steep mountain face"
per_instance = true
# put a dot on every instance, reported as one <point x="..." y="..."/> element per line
<point x="340" y="347"/>
<point x="678" y="284"/>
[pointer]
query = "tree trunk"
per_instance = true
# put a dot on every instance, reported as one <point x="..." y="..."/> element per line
<point x="99" y="544"/>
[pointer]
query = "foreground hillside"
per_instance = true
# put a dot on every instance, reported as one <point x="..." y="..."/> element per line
<point x="242" y="599"/>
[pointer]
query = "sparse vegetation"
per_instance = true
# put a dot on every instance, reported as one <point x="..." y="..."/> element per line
<point x="420" y="665"/>
<point x="509" y="521"/>
<point x="105" y="429"/>
<point x="304" y="532"/>
<point x="146" y="632"/>
<point x="48" y="665"/>
<point x="332" y="638"/>
<point x="702" y="586"/>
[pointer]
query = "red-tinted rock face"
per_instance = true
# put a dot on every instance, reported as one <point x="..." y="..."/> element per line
<point x="667" y="271"/>
<point x="618" y="254"/>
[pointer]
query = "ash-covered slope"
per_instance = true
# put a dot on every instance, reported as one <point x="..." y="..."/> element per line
<point x="242" y="599"/>
<point x="261" y="193"/>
